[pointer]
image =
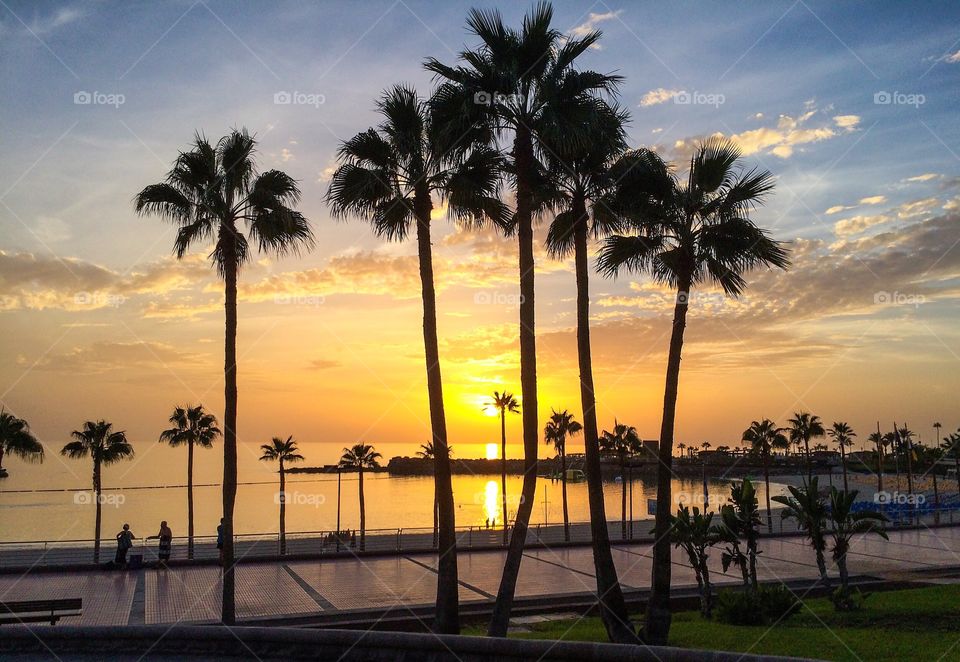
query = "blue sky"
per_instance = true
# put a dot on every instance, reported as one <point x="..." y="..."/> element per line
<point x="851" y="105"/>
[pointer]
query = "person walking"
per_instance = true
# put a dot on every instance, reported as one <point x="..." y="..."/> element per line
<point x="124" y="543"/>
<point x="165" y="536"/>
<point x="220" y="540"/>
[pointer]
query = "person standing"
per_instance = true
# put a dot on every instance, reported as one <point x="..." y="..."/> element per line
<point x="220" y="540"/>
<point x="124" y="543"/>
<point x="165" y="536"/>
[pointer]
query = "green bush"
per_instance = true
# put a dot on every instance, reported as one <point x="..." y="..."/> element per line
<point x="769" y="604"/>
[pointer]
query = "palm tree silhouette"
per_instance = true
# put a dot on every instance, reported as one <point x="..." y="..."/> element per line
<point x="504" y="402"/>
<point x="104" y="446"/>
<point x="387" y="176"/>
<point x="905" y="442"/>
<point x="520" y="82"/>
<point x="681" y="447"/>
<point x="16" y="439"/>
<point x="558" y="428"/>
<point x="808" y="508"/>
<point x="209" y="193"/>
<point x="192" y="426"/>
<point x="877" y="440"/>
<point x="624" y="441"/>
<point x="842" y="434"/>
<point x="580" y="176"/>
<point x="684" y="233"/>
<point x="804" y="427"/>
<point x="764" y="437"/>
<point x="951" y="445"/>
<point x="427" y="453"/>
<point x="361" y="456"/>
<point x="282" y="451"/>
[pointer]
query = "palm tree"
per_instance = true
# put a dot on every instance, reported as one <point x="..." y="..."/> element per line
<point x="388" y="176"/>
<point x="282" y="451"/>
<point x="209" y="193"/>
<point x="764" y="437"/>
<point x="741" y="519"/>
<point x="904" y="438"/>
<point x="877" y="440"/>
<point x="842" y="434"/>
<point x="846" y="523"/>
<point x="16" y="439"/>
<point x="192" y="426"/>
<point x="951" y="445"/>
<point x="808" y="508"/>
<point x="804" y="427"/>
<point x="623" y="440"/>
<point x="685" y="233"/>
<point x="696" y="534"/>
<point x="705" y="445"/>
<point x="890" y="441"/>
<point x="561" y="425"/>
<point x="522" y="83"/>
<point x="360" y="457"/>
<point x="681" y="447"/>
<point x="104" y="446"/>
<point x="504" y="402"/>
<point x="427" y="453"/>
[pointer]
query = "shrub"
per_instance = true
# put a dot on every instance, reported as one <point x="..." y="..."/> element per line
<point x="768" y="604"/>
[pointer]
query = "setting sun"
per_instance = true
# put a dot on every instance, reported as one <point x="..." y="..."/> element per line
<point x="492" y="452"/>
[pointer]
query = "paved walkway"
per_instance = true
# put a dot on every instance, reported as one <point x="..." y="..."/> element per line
<point x="301" y="588"/>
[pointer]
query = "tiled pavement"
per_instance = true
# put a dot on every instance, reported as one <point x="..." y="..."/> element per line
<point x="297" y="588"/>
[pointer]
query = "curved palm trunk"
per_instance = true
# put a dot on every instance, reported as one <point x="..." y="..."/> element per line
<point x="363" y="514"/>
<point x="613" y="608"/>
<point x="503" y="471"/>
<point x="843" y="465"/>
<point x="523" y="156"/>
<point x="623" y="496"/>
<point x="766" y="479"/>
<point x="563" y="484"/>
<point x="822" y="567"/>
<point x="228" y="610"/>
<point x="96" y="526"/>
<point x="190" y="500"/>
<point x="658" y="615"/>
<point x="444" y="523"/>
<point x="283" y="511"/>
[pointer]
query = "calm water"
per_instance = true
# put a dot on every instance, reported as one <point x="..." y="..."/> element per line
<point x="392" y="502"/>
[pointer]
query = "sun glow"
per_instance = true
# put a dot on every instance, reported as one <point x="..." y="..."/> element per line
<point x="493" y="451"/>
<point x="491" y="500"/>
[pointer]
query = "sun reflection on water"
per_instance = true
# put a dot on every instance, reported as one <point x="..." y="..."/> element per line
<point x="491" y="501"/>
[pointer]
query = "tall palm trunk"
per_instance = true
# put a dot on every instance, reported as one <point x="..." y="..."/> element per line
<point x="503" y="470"/>
<point x="228" y="611"/>
<point x="658" y="607"/>
<point x="523" y="156"/>
<point x="806" y="446"/>
<point x="822" y="567"/>
<point x="956" y="461"/>
<point x="843" y="465"/>
<point x="444" y="526"/>
<point x="283" y="511"/>
<point x="563" y="488"/>
<point x="623" y="496"/>
<point x="96" y="497"/>
<point x="766" y="479"/>
<point x="190" y="499"/>
<point x="613" y="608"/>
<point x="363" y="513"/>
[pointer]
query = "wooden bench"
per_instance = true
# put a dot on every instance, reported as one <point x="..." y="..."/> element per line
<point x="39" y="611"/>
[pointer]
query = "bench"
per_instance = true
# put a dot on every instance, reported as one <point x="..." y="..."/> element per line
<point x="39" y="611"/>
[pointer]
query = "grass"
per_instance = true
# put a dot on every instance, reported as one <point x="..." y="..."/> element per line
<point x="914" y="624"/>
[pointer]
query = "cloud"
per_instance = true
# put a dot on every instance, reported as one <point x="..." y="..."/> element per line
<point x="917" y="207"/>
<point x="836" y="209"/>
<point x="873" y="200"/>
<point x="926" y="177"/>
<point x="657" y="96"/>
<point x="105" y="356"/>
<point x="324" y="364"/>
<point x="951" y="58"/>
<point x="593" y="20"/>
<point x="857" y="224"/>
<point x="849" y="122"/>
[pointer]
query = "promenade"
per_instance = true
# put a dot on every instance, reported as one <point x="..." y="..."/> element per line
<point x="300" y="589"/>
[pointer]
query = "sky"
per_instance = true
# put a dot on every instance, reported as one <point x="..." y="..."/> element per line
<point x="852" y="106"/>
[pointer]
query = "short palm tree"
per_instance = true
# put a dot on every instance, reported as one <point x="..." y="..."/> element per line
<point x="191" y="426"/>
<point x="360" y="457"/>
<point x="876" y="439"/>
<point x="210" y="192"/>
<point x="845" y="524"/>
<point x="804" y="426"/>
<point x="685" y="232"/>
<point x="104" y="446"/>
<point x="623" y="441"/>
<point x="741" y="519"/>
<point x="559" y="427"/>
<point x="807" y="507"/>
<point x="842" y="435"/>
<point x="284" y="451"/>
<point x="520" y="83"/>
<point x="17" y="439"/>
<point x="696" y="534"/>
<point x="504" y="402"/>
<point x="904" y="438"/>
<point x="764" y="437"/>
